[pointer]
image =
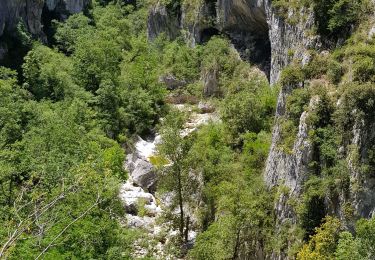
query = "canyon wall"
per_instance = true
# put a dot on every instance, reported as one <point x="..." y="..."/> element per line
<point x="30" y="12"/>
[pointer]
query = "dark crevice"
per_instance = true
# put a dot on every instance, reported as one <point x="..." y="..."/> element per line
<point x="47" y="20"/>
<point x="14" y="48"/>
<point x="312" y="218"/>
<point x="207" y="34"/>
<point x="174" y="10"/>
<point x="210" y="8"/>
<point x="254" y="47"/>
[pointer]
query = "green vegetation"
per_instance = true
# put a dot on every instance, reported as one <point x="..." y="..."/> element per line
<point x="330" y="242"/>
<point x="176" y="176"/>
<point x="57" y="168"/>
<point x="68" y="110"/>
<point x="323" y="244"/>
<point x="335" y="90"/>
<point x="334" y="18"/>
<point x="221" y="164"/>
<point x="237" y="216"/>
<point x="60" y="169"/>
<point x="64" y="121"/>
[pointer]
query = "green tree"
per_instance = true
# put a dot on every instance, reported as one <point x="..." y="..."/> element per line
<point x="323" y="244"/>
<point x="359" y="246"/>
<point x="49" y="74"/>
<point x="64" y="187"/>
<point x="347" y="247"/>
<point x="236" y="218"/>
<point x="69" y="32"/>
<point x="174" y="148"/>
<point x="249" y="105"/>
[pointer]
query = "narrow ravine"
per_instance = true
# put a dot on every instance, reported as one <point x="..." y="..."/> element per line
<point x="143" y="204"/>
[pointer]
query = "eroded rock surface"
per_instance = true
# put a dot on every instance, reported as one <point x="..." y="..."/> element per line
<point x="30" y="13"/>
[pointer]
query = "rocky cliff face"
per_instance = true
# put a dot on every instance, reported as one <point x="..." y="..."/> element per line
<point x="254" y="27"/>
<point x="362" y="185"/>
<point x="31" y="11"/>
<point x="162" y="21"/>
<point x="35" y="17"/>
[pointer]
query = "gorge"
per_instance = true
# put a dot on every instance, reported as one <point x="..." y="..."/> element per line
<point x="261" y="112"/>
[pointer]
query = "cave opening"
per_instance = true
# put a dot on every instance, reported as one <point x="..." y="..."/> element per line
<point x="248" y="29"/>
<point x="254" y="47"/>
<point x="313" y="215"/>
<point x="14" y="45"/>
<point x="210" y="29"/>
<point x="49" y="30"/>
<point x="207" y="33"/>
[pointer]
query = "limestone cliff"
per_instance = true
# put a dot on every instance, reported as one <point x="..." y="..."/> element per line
<point x="254" y="27"/>
<point x="31" y="11"/>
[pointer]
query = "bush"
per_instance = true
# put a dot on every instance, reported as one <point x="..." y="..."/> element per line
<point x="335" y="71"/>
<point x="335" y="17"/>
<point x="249" y="103"/>
<point x="317" y="67"/>
<point x="363" y="69"/>
<point x="49" y="74"/>
<point x="297" y="103"/>
<point x="358" y="101"/>
<point x="323" y="244"/>
<point x="360" y="246"/>
<point x="217" y="55"/>
<point x="288" y="133"/>
<point x="343" y="13"/>
<point x="292" y="76"/>
<point x="69" y="32"/>
<point x="181" y="61"/>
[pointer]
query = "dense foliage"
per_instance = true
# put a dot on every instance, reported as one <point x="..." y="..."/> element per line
<point x="69" y="109"/>
<point x="333" y="18"/>
<point x="65" y="117"/>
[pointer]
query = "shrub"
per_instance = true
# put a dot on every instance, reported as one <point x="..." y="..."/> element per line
<point x="292" y="76"/>
<point x="360" y="246"/>
<point x="335" y="71"/>
<point x="363" y="69"/>
<point x="323" y="244"/>
<point x="250" y="108"/>
<point x="288" y="133"/>
<point x="48" y="74"/>
<point x="317" y="67"/>
<point x="336" y="16"/>
<point x="357" y="101"/>
<point x="296" y="103"/>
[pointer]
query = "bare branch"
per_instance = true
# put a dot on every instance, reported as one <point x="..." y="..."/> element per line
<point x="24" y="223"/>
<point x="71" y="223"/>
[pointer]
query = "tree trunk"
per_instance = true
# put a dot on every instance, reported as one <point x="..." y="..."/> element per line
<point x="180" y="202"/>
<point x="10" y="195"/>
<point x="235" y="254"/>
<point x="187" y="229"/>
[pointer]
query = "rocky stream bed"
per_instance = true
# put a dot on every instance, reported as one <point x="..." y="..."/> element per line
<point x="143" y="205"/>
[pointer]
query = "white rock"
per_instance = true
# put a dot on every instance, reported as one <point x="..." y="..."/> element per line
<point x="146" y="149"/>
<point x="371" y="33"/>
<point x="144" y="174"/>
